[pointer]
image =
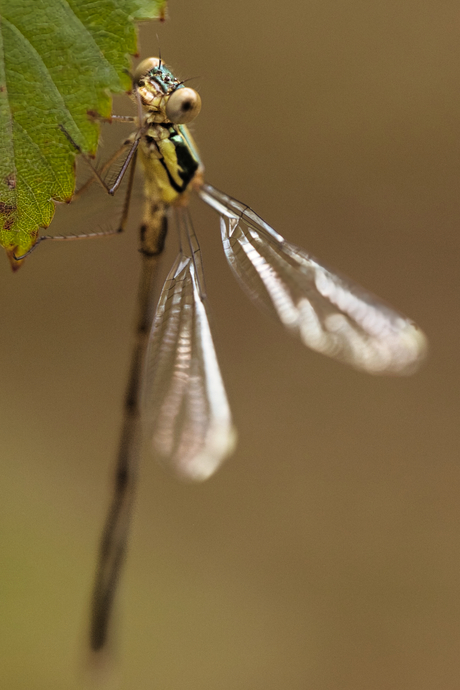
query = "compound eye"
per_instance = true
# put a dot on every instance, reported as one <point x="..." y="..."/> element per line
<point x="144" y="67"/>
<point x="183" y="106"/>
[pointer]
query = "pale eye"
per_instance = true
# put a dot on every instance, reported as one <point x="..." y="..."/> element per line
<point x="144" y="67"/>
<point x="183" y="106"/>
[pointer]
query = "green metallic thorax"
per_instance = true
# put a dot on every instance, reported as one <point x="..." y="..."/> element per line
<point x="169" y="159"/>
<point x="170" y="164"/>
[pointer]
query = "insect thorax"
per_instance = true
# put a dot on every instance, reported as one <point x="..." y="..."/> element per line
<point x="169" y="159"/>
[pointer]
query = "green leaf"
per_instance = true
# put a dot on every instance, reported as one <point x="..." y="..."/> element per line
<point x="60" y="60"/>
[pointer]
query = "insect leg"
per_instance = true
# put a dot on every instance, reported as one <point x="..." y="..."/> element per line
<point x="92" y="235"/>
<point x="110" y="190"/>
<point x="129" y="189"/>
<point x="104" y="168"/>
<point x="124" y="118"/>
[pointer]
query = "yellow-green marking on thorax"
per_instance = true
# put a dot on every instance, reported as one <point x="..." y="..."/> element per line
<point x="166" y="149"/>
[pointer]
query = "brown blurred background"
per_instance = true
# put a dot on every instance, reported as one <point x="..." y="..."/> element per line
<point x="325" y="554"/>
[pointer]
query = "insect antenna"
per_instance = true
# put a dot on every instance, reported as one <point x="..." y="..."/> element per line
<point x="188" y="79"/>
<point x="159" y="51"/>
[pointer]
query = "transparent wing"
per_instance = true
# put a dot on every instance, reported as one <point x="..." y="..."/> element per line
<point x="328" y="312"/>
<point x="186" y="405"/>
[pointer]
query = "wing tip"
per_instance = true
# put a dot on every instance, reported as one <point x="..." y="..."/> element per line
<point x="416" y="341"/>
<point x="408" y="353"/>
<point x="219" y="445"/>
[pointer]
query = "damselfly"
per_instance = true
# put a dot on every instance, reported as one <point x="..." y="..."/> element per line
<point x="186" y="407"/>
